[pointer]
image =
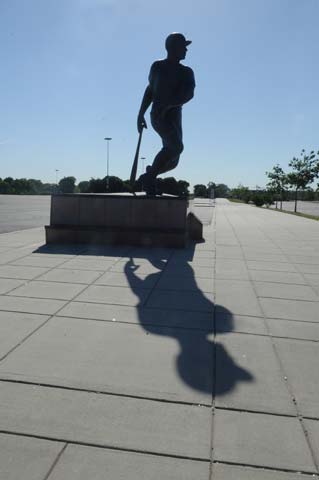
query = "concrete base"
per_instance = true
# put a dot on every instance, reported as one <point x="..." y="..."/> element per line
<point x="119" y="219"/>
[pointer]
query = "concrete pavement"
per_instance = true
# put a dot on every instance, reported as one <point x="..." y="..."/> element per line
<point x="19" y="212"/>
<point x="155" y="363"/>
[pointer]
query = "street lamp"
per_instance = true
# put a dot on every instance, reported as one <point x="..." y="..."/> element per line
<point x="56" y="180"/>
<point x="107" y="160"/>
<point x="143" y="158"/>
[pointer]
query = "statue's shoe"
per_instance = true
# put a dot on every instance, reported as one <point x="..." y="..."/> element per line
<point x="146" y="183"/>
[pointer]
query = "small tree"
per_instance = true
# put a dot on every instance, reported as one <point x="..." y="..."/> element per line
<point x="200" y="190"/>
<point x="67" y="184"/>
<point x="221" y="190"/>
<point x="278" y="181"/>
<point x="241" y="193"/>
<point x="83" y="186"/>
<point x="305" y="170"/>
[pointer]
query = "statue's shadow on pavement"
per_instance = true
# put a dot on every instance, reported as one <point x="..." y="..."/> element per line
<point x="202" y="363"/>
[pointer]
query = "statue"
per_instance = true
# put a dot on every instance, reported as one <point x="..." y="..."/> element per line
<point x="171" y="84"/>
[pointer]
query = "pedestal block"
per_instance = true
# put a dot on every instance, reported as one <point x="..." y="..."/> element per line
<point x="118" y="219"/>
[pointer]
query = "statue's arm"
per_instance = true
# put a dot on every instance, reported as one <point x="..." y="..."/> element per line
<point x="186" y="92"/>
<point x="146" y="101"/>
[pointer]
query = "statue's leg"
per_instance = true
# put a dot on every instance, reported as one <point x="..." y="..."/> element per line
<point x="170" y="130"/>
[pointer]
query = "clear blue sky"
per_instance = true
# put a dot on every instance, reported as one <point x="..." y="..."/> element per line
<point x="74" y="71"/>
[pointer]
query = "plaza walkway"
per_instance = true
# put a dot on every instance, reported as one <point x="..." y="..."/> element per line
<point x="131" y="363"/>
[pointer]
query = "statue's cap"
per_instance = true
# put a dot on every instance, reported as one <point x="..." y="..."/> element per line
<point x="175" y="38"/>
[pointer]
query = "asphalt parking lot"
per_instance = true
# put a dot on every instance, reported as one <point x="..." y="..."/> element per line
<point x="20" y="212"/>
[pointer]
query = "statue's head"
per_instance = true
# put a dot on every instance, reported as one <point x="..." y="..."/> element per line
<point x="176" y="45"/>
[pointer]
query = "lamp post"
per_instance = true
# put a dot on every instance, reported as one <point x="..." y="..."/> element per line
<point x="143" y="158"/>
<point x="107" y="160"/>
<point x="56" y="180"/>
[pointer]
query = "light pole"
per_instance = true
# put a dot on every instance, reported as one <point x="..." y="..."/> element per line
<point x="107" y="160"/>
<point x="56" y="180"/>
<point x="143" y="158"/>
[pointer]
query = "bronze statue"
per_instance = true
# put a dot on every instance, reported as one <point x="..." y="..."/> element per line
<point x="171" y="84"/>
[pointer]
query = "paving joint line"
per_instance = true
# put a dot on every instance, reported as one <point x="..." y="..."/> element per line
<point x="274" y="336"/>
<point x="55" y="462"/>
<point x="263" y="467"/>
<point x="99" y="392"/>
<point x="137" y="324"/>
<point x="214" y="361"/>
<point x="289" y="299"/>
<point x="105" y="447"/>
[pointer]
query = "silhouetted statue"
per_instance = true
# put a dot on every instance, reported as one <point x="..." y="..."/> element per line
<point x="171" y="84"/>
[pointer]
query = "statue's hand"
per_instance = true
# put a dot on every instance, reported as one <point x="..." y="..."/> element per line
<point x="141" y="123"/>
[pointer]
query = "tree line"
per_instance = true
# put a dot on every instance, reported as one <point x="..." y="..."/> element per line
<point x="285" y="186"/>
<point x="111" y="184"/>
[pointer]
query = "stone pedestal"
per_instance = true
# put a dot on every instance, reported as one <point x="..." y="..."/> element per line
<point x="118" y="219"/>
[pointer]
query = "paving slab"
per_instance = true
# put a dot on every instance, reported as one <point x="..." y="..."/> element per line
<point x="114" y="295"/>
<point x="282" y="290"/>
<point x="83" y="463"/>
<point x="290" y="309"/>
<point x="182" y="300"/>
<point x="272" y="266"/>
<point x="229" y="252"/>
<point x="144" y="316"/>
<point x="111" y="357"/>
<point x="39" y="261"/>
<point x="280" y="277"/>
<point x="55" y="290"/>
<point x="231" y="269"/>
<point x="261" y="440"/>
<point x="8" y="284"/>
<point x="238" y="297"/>
<point x="293" y="329"/>
<point x="144" y="267"/>
<point x="307" y="268"/>
<point x="252" y="359"/>
<point x="226" y="322"/>
<point x="193" y="270"/>
<point x="266" y="256"/>
<point x="185" y="283"/>
<point x="195" y="253"/>
<point x="312" y="427"/>
<point x="312" y="278"/>
<point x="82" y="262"/>
<point x="14" y="255"/>
<point x="106" y="420"/>
<point x="26" y="458"/>
<point x="235" y="472"/>
<point x="21" y="272"/>
<point x="14" y="327"/>
<point x="70" y="276"/>
<point x="300" y="362"/>
<point x="121" y="280"/>
<point x="30" y="305"/>
<point x="179" y="263"/>
<point x="305" y="259"/>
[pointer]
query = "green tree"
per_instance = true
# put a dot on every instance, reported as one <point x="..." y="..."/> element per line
<point x="305" y="170"/>
<point x="183" y="188"/>
<point x="221" y="190"/>
<point x="83" y="186"/>
<point x="277" y="182"/>
<point x="67" y="184"/>
<point x="200" y="190"/>
<point x="241" y="193"/>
